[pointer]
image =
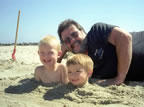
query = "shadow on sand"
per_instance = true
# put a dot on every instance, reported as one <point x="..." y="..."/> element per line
<point x="26" y="86"/>
<point x="58" y="92"/>
<point x="53" y="90"/>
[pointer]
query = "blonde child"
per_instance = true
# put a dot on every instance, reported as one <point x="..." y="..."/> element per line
<point x="80" y="68"/>
<point x="49" y="49"/>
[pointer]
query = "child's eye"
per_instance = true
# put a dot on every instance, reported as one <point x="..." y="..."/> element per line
<point x="50" y="53"/>
<point x="42" y="53"/>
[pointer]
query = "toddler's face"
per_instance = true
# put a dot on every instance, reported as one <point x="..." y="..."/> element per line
<point x="48" y="54"/>
<point x="77" y="75"/>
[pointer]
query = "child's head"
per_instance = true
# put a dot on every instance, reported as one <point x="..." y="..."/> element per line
<point x="80" y="68"/>
<point x="49" y="49"/>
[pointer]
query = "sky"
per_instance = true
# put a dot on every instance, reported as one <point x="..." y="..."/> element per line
<point x="42" y="17"/>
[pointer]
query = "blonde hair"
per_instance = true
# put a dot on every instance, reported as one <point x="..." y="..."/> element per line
<point x="52" y="40"/>
<point x="81" y="59"/>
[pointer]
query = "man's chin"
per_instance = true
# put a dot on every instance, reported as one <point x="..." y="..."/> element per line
<point x="75" y="51"/>
<point x="79" y="51"/>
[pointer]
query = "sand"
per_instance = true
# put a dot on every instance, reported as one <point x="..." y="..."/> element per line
<point x="19" y="89"/>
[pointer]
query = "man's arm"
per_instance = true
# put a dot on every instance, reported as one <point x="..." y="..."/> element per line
<point x="62" y="55"/>
<point x="64" y="51"/>
<point x="122" y="40"/>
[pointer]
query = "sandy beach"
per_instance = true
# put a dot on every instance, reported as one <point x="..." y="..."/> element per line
<point x="19" y="89"/>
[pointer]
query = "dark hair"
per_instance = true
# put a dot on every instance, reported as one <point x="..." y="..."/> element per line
<point x="67" y="23"/>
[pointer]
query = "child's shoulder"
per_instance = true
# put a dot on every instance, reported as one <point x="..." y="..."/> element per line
<point x="62" y="66"/>
<point x="38" y="73"/>
<point x="39" y="68"/>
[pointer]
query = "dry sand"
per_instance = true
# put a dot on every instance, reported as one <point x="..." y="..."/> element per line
<point x="18" y="88"/>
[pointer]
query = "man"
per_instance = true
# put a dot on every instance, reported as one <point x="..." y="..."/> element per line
<point x="117" y="54"/>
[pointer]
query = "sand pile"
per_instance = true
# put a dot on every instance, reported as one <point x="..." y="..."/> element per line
<point x="19" y="89"/>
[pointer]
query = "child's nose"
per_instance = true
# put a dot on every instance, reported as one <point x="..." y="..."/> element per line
<point x="45" y="56"/>
<point x="73" y="74"/>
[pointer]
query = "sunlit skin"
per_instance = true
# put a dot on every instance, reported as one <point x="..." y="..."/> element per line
<point x="50" y="71"/>
<point x="48" y="55"/>
<point x="122" y="41"/>
<point x="75" y="43"/>
<point x="77" y="75"/>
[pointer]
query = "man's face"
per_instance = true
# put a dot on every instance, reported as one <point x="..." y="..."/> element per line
<point x="73" y="38"/>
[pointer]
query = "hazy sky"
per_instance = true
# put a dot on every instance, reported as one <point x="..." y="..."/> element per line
<point x="41" y="17"/>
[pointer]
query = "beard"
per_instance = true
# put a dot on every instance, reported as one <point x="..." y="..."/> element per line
<point x="84" y="47"/>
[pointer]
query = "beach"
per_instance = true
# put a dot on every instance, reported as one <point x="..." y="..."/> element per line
<point x="19" y="89"/>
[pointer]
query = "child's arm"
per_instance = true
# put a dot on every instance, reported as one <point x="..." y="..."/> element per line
<point x="65" y="79"/>
<point x="37" y="74"/>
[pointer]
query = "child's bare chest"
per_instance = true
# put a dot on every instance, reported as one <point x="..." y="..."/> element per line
<point x="49" y="77"/>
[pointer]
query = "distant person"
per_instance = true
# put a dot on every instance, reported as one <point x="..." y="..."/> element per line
<point x="117" y="54"/>
<point x="49" y="49"/>
<point x="80" y="69"/>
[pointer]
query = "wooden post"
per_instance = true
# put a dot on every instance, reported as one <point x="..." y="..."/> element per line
<point x="14" y="51"/>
